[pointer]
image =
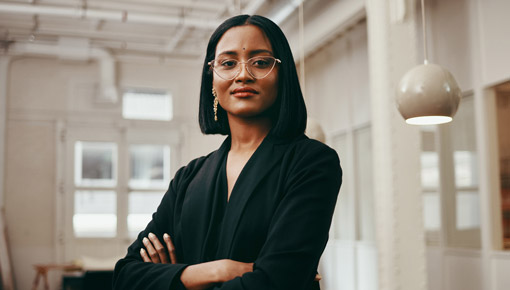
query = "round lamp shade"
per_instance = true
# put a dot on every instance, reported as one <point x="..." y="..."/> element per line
<point x="428" y="94"/>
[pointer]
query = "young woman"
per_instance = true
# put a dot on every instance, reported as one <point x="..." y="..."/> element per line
<point x="256" y="213"/>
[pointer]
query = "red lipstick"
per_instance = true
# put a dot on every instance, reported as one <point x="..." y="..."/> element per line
<point x="243" y="92"/>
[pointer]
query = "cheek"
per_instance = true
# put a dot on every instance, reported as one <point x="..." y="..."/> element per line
<point x="274" y="87"/>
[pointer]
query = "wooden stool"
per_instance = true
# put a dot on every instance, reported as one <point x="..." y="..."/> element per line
<point x="43" y="269"/>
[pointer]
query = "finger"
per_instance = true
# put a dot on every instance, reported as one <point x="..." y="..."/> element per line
<point x="163" y="257"/>
<point x="171" y="248"/>
<point x="318" y="277"/>
<point x="144" y="255"/>
<point x="152" y="252"/>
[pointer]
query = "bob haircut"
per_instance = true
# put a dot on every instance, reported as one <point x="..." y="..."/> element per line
<point x="288" y="112"/>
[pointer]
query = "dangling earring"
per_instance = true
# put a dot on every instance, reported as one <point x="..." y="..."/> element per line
<point x="215" y="105"/>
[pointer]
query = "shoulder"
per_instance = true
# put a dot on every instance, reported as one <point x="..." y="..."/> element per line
<point x="303" y="148"/>
<point x="192" y="167"/>
<point x="303" y="154"/>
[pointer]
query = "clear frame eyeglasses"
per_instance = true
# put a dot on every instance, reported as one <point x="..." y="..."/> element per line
<point x="258" y="67"/>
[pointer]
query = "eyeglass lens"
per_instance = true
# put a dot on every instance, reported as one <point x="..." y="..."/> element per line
<point x="258" y="67"/>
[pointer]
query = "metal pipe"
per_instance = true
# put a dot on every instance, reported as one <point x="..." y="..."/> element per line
<point x="120" y="16"/>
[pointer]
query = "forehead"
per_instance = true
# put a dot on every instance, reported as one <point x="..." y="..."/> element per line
<point x="241" y="39"/>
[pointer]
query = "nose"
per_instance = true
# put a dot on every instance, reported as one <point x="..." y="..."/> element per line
<point x="243" y="75"/>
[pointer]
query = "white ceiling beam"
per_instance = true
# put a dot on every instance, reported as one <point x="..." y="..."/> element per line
<point x="99" y="35"/>
<point x="117" y="16"/>
<point x="201" y="5"/>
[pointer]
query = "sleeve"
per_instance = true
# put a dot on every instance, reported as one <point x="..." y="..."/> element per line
<point x="299" y="229"/>
<point x="131" y="272"/>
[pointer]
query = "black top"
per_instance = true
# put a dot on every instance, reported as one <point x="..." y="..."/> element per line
<point x="278" y="217"/>
<point x="220" y="196"/>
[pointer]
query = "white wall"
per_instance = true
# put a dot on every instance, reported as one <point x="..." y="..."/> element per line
<point x="337" y="91"/>
<point x="495" y="43"/>
<point x="337" y="97"/>
<point x="42" y="91"/>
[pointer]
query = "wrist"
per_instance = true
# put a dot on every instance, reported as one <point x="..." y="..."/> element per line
<point x="217" y="271"/>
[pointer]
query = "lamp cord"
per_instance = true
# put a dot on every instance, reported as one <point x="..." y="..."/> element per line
<point x="424" y="29"/>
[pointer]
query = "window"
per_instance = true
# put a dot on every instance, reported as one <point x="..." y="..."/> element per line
<point x="95" y="164"/>
<point x="147" y="105"/>
<point x="467" y="202"/>
<point x="149" y="177"/>
<point x="102" y="207"/>
<point x="342" y="227"/>
<point x="430" y="184"/>
<point x="449" y="172"/>
<point x="95" y="203"/>
<point x="354" y="214"/>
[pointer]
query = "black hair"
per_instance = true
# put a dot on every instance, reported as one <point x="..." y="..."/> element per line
<point x="288" y="112"/>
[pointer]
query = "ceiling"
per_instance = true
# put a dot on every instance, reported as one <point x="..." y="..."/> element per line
<point x="127" y="28"/>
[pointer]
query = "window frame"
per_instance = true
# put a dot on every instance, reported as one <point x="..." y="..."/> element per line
<point x="448" y="234"/>
<point x="124" y="134"/>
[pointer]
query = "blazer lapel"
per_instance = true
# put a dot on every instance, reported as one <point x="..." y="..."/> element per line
<point x="197" y="204"/>
<point x="263" y="159"/>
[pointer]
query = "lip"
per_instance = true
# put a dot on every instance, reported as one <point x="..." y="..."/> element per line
<point x="243" y="92"/>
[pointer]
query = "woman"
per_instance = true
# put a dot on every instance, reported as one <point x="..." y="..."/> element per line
<point x="255" y="214"/>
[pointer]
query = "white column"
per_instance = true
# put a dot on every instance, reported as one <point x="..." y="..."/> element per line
<point x="487" y="147"/>
<point x="4" y="69"/>
<point x="400" y="234"/>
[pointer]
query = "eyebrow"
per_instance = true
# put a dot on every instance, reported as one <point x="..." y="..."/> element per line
<point x="251" y="53"/>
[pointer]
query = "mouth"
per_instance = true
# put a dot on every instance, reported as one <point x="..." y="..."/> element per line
<point x="243" y="92"/>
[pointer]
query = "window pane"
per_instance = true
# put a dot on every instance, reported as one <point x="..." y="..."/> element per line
<point x="141" y="207"/>
<point x="147" y="106"/>
<point x="432" y="211"/>
<point x="95" y="164"/>
<point x="429" y="170"/>
<point x="363" y="143"/>
<point x="150" y="166"/>
<point x="429" y="158"/>
<point x="465" y="168"/>
<point x="95" y="214"/>
<point x="464" y="145"/>
<point x="468" y="211"/>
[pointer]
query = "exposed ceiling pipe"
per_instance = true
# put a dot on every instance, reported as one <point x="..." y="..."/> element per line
<point x="286" y="11"/>
<point x="253" y="7"/>
<point x="107" y="66"/>
<point x="97" y="14"/>
<point x="172" y="44"/>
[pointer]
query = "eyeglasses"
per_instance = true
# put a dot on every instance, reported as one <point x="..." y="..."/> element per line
<point x="258" y="67"/>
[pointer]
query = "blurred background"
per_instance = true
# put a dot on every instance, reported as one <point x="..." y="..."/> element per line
<point x="99" y="109"/>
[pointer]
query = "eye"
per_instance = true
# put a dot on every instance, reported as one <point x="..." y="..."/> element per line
<point x="227" y="63"/>
<point x="262" y="62"/>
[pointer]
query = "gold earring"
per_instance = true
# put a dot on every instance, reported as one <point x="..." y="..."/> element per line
<point x="215" y="105"/>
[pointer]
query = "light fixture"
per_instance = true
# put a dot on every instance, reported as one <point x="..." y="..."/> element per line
<point x="428" y="93"/>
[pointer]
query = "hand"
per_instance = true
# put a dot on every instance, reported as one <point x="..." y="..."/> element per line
<point x="226" y="269"/>
<point x="156" y="252"/>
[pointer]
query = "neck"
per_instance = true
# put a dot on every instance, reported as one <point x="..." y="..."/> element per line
<point x="248" y="134"/>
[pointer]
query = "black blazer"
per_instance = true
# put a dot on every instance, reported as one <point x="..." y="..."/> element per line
<point x="278" y="217"/>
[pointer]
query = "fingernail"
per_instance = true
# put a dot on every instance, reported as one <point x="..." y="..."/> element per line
<point x="142" y="251"/>
<point x="151" y="235"/>
<point x="145" y="240"/>
<point x="166" y="236"/>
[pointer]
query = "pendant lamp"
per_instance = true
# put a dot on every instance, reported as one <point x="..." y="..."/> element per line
<point x="428" y="94"/>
